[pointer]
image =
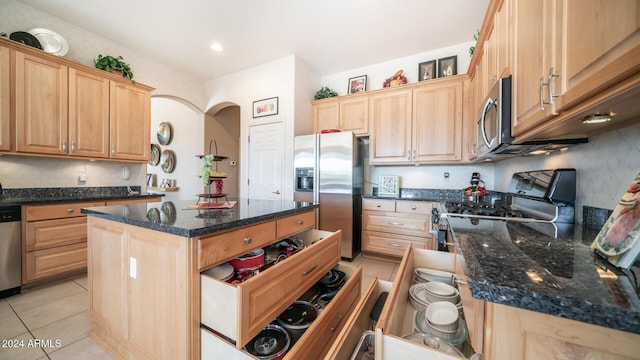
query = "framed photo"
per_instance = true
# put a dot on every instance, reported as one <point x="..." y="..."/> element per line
<point x="265" y="107"/>
<point x="427" y="70"/>
<point x="448" y="66"/>
<point x="389" y="186"/>
<point x="357" y="84"/>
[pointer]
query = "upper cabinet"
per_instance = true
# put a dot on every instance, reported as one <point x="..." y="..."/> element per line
<point x="420" y="124"/>
<point x="346" y="114"/>
<point x="63" y="108"/>
<point x="5" y="98"/>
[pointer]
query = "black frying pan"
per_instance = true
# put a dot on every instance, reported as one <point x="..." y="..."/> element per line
<point x="25" y="38"/>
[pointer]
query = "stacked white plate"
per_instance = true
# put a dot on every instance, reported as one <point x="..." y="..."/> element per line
<point x="426" y="275"/>
<point x="421" y="296"/>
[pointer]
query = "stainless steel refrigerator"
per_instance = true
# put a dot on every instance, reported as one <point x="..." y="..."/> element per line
<point x="329" y="170"/>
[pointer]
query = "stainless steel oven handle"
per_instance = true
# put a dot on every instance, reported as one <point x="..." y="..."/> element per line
<point x="490" y="102"/>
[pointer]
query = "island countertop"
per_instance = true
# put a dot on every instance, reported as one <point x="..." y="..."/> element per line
<point x="547" y="269"/>
<point x="173" y="217"/>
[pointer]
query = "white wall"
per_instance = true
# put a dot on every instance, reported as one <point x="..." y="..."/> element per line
<point x="242" y="88"/>
<point x="187" y="142"/>
<point x="605" y="167"/>
<point x="378" y="73"/>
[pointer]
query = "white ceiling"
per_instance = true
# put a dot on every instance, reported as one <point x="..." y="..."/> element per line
<point x="330" y="35"/>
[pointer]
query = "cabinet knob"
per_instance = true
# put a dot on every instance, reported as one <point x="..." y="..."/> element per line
<point x="73" y="147"/>
<point x="378" y="205"/>
<point x="70" y="210"/>
<point x="414" y="208"/>
<point x="247" y="240"/>
<point x="300" y="222"/>
<point x="313" y="267"/>
<point x="64" y="146"/>
<point x="113" y="151"/>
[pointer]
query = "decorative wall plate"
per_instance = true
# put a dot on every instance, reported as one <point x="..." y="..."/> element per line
<point x="165" y="133"/>
<point x="168" y="161"/>
<point x="154" y="156"/>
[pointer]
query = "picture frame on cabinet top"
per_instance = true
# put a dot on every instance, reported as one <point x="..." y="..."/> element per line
<point x="427" y="70"/>
<point x="357" y="84"/>
<point x="448" y="66"/>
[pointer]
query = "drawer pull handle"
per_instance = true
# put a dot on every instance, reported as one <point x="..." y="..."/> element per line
<point x="396" y="224"/>
<point x="339" y="317"/>
<point x="313" y="267"/>
<point x="300" y="222"/>
<point x="378" y="206"/>
<point x="414" y="208"/>
<point x="456" y="281"/>
<point x="69" y="210"/>
<point x="395" y="245"/>
<point x="247" y="240"/>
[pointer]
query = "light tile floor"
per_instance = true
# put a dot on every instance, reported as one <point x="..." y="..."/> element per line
<point x="53" y="322"/>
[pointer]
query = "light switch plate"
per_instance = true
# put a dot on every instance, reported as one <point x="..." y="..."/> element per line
<point x="133" y="268"/>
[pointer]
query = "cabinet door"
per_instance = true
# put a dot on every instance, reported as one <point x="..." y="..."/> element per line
<point x="533" y="46"/>
<point x="606" y="37"/>
<point x="502" y="29"/>
<point x="437" y="122"/>
<point x="41" y="105"/>
<point x="390" y="117"/>
<point x="130" y="121"/>
<point x="88" y="114"/>
<point x="5" y="98"/>
<point x="354" y="115"/>
<point x="325" y="115"/>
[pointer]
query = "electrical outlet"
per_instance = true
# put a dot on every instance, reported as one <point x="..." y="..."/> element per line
<point x="446" y="176"/>
<point x="82" y="175"/>
<point x="232" y="163"/>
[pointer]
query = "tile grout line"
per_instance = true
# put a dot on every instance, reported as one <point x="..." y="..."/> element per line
<point x="28" y="330"/>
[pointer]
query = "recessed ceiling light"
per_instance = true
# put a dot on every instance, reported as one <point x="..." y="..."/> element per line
<point x="597" y="118"/>
<point x="217" y="47"/>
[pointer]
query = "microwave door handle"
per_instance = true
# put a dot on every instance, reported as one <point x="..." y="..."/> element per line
<point x="490" y="102"/>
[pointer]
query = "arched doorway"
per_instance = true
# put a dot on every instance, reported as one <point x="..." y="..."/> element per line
<point x="222" y="124"/>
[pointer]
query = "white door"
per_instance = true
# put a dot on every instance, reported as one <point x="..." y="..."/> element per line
<point x="266" y="155"/>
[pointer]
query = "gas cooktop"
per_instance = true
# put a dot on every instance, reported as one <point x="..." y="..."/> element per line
<point x="484" y="209"/>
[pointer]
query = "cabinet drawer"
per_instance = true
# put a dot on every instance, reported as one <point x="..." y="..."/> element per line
<point x="397" y="315"/>
<point x="414" y="207"/>
<point x="417" y="225"/>
<point x="59" y="211"/>
<point x="358" y="322"/>
<point x="54" y="261"/>
<point x="315" y="342"/>
<point x="216" y="249"/>
<point x="51" y="233"/>
<point x="295" y="224"/>
<point x="389" y="244"/>
<point x="241" y="311"/>
<point x="378" y="205"/>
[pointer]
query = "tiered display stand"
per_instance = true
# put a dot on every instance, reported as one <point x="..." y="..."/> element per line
<point x="213" y="198"/>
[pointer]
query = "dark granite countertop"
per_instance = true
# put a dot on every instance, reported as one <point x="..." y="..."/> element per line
<point x="36" y="196"/>
<point x="172" y="216"/>
<point x="537" y="267"/>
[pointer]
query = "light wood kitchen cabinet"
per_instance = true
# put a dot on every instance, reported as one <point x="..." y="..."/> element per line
<point x="437" y="121"/>
<point x="88" y="114"/>
<point x="54" y="240"/>
<point x="526" y="335"/>
<point x="390" y="118"/>
<point x="129" y="122"/>
<point x="66" y="109"/>
<point x="5" y="98"/>
<point x="390" y="226"/>
<point x="346" y="114"/>
<point x="40" y="96"/>
<point x="555" y="66"/>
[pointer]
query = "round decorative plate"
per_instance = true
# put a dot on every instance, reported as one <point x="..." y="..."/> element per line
<point x="168" y="161"/>
<point x="165" y="132"/>
<point x="51" y="41"/>
<point x="154" y="156"/>
<point x="25" y="38"/>
<point x="153" y="215"/>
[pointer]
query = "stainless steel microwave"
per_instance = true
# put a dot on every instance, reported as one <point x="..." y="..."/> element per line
<point x="494" y="125"/>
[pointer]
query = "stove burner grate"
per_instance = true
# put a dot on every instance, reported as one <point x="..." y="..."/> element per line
<point x="484" y="209"/>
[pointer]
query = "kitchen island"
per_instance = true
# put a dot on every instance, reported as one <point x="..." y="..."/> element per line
<point x="145" y="265"/>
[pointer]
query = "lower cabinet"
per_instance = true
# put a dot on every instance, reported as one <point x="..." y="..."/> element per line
<point x="390" y="226"/>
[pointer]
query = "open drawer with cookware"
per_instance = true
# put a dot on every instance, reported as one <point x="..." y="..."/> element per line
<point x="304" y="329"/>
<point x="424" y="315"/>
<point x="240" y="309"/>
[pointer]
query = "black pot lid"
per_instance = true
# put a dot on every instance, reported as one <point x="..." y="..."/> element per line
<point x="272" y="340"/>
<point x="300" y="313"/>
<point x="25" y="38"/>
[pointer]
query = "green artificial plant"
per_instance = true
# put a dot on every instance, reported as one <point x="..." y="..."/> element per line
<point x="324" y="93"/>
<point x="110" y="64"/>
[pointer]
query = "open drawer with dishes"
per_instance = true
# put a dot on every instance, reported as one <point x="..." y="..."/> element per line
<point x="305" y="329"/>
<point x="237" y="308"/>
<point x="424" y="315"/>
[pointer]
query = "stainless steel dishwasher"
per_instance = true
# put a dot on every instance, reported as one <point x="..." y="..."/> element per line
<point x="10" y="254"/>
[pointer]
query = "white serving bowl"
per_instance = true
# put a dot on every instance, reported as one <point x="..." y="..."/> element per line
<point x="438" y="291"/>
<point x="442" y="316"/>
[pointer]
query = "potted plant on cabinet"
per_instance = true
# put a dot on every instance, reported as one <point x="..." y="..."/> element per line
<point x="114" y="64"/>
